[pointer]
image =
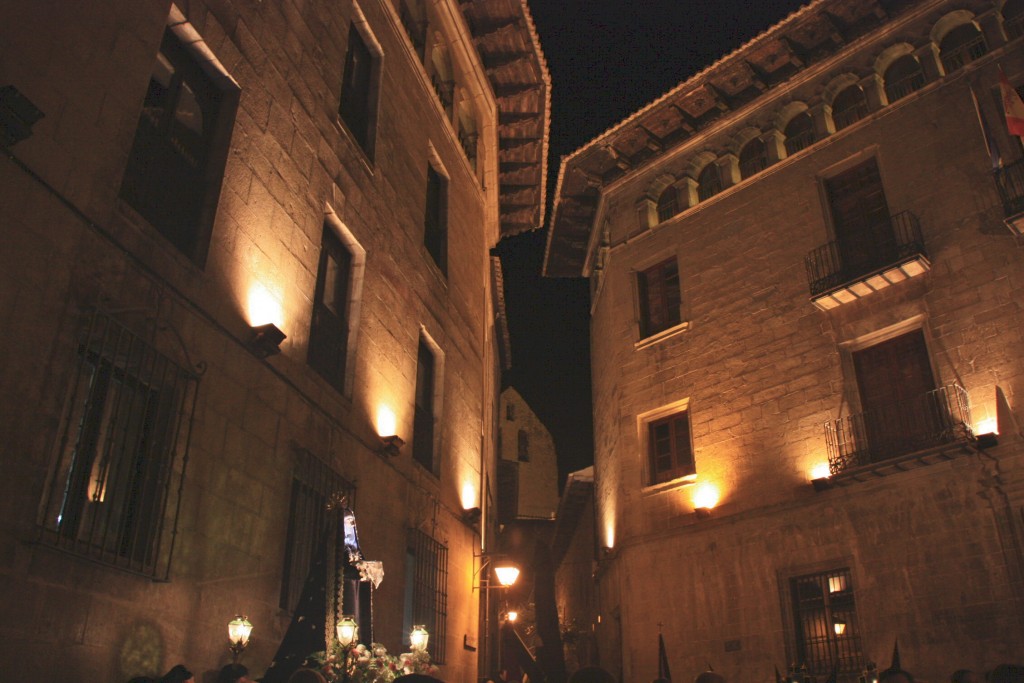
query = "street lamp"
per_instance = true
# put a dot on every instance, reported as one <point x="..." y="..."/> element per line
<point x="507" y="574"/>
<point x="348" y="631"/>
<point x="239" y="630"/>
<point x="418" y="638"/>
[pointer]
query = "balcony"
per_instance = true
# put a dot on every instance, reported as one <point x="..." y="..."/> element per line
<point x="468" y="141"/>
<point x="445" y="90"/>
<point x="1010" y="183"/>
<point x="933" y="426"/>
<point x="846" y="270"/>
<point x="963" y="54"/>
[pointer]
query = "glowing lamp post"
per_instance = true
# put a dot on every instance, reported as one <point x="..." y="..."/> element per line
<point x="507" y="574"/>
<point x="418" y="638"/>
<point x="239" y="630"/>
<point x="348" y="631"/>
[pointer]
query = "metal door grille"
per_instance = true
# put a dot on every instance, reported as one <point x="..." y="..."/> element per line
<point x="827" y="634"/>
<point x="314" y="484"/>
<point x="115" y="490"/>
<point x="429" y="595"/>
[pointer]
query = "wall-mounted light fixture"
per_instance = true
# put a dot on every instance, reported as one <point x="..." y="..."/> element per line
<point x="504" y="570"/>
<point x="239" y="630"/>
<point x="512" y="615"/>
<point x="471" y="517"/>
<point x="705" y="497"/>
<point x="821" y="477"/>
<point x="391" y="445"/>
<point x="266" y="340"/>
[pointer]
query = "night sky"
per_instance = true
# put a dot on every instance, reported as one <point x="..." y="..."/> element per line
<point x="608" y="58"/>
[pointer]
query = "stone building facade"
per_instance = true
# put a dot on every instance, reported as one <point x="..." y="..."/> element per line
<point x="182" y="183"/>
<point x="806" y="343"/>
<point x="528" y="458"/>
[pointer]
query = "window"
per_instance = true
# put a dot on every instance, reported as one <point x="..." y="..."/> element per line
<point x="961" y="46"/>
<point x="114" y="492"/>
<point x="753" y="158"/>
<point x="669" y="452"/>
<point x="708" y="182"/>
<point x="825" y="621"/>
<point x="799" y="133"/>
<point x="414" y="18"/>
<point x="424" y="418"/>
<point x="1013" y="18"/>
<point x="860" y="217"/>
<point x="314" y="484"/>
<point x="524" y="446"/>
<point x="668" y="203"/>
<point x="177" y="159"/>
<point x="510" y="412"/>
<point x="358" y="90"/>
<point x="435" y="222"/>
<point x="426" y="590"/>
<point x="849" y="106"/>
<point x="328" y="333"/>
<point x="903" y="77"/>
<point x="658" y="289"/>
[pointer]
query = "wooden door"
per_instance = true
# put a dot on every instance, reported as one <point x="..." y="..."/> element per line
<point x="860" y="216"/>
<point x="895" y="382"/>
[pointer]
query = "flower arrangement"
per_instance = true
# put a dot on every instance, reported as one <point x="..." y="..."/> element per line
<point x="370" y="664"/>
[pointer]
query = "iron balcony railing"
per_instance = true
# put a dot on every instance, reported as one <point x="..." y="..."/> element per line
<point x="963" y="54"/>
<point x="445" y="90"/>
<point x="942" y="416"/>
<point x="902" y="87"/>
<point x="799" y="141"/>
<point x="1010" y="182"/>
<point x="839" y="262"/>
<point x="468" y="141"/>
<point x="852" y="114"/>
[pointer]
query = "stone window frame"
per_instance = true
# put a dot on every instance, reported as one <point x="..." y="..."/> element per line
<point x="191" y="43"/>
<point x="370" y="100"/>
<point x="645" y="337"/>
<point x="426" y="344"/>
<point x="650" y="418"/>
<point x="356" y="277"/>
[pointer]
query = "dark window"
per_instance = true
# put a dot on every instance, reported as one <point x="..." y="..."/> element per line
<point x="414" y="18"/>
<point x="114" y="492"/>
<point x="314" y="484"/>
<point x="895" y="381"/>
<point x="668" y="203"/>
<point x="357" y="102"/>
<point x="658" y="288"/>
<point x="860" y="217"/>
<point x="827" y="633"/>
<point x="423" y="420"/>
<point x="1013" y="18"/>
<point x="510" y="412"/>
<point x="328" y="332"/>
<point x="426" y="590"/>
<point x="524" y="446"/>
<point x="708" y="182"/>
<point x="177" y="158"/>
<point x="903" y="77"/>
<point x="849" y="106"/>
<point x="753" y="158"/>
<point x="669" y="452"/>
<point x="961" y="46"/>
<point x="799" y="133"/>
<point x="435" y="222"/>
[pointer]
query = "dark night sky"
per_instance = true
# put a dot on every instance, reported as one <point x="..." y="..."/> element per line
<point x="607" y="59"/>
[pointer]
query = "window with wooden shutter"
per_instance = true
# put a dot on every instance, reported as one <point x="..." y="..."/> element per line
<point x="328" y="334"/>
<point x="670" y="453"/>
<point x="658" y="289"/>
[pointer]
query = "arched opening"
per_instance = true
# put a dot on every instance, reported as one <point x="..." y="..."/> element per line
<point x="753" y="158"/>
<point x="668" y="203"/>
<point x="799" y="133"/>
<point x="709" y="183"/>
<point x="961" y="46"/>
<point x="903" y="77"/>
<point x="849" y="106"/>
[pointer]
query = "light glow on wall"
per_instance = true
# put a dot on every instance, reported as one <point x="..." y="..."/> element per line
<point x="468" y="496"/>
<point x="264" y="307"/>
<point x="609" y="535"/>
<point x="705" y="496"/>
<point x="387" y="423"/>
<point x="989" y="425"/>
<point x="821" y="471"/>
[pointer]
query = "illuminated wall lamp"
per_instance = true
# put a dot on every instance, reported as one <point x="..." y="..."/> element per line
<point x="702" y="512"/>
<point x="512" y="616"/>
<point x="239" y="630"/>
<point x="391" y="445"/>
<point x="266" y="340"/>
<point x="471" y="516"/>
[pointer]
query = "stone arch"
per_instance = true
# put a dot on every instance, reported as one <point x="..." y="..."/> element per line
<point x="787" y="112"/>
<point x="699" y="161"/>
<point x="837" y="85"/>
<point x="889" y="55"/>
<point x="949" y="22"/>
<point x="741" y="138"/>
<point x="659" y="185"/>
